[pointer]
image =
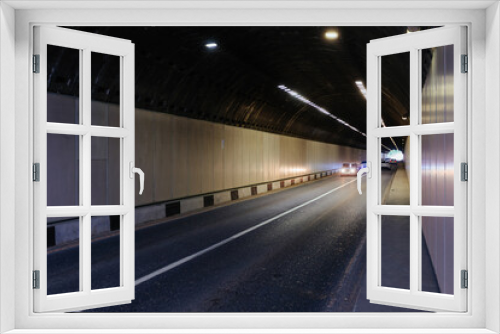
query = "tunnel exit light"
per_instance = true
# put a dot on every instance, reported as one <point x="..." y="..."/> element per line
<point x="395" y="154"/>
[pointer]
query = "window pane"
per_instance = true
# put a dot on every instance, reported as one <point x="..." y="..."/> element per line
<point x="395" y="90"/>
<point x="105" y="90"/>
<point x="105" y="252"/>
<point x="437" y="85"/>
<point x="395" y="171"/>
<point x="437" y="254"/>
<point x="63" y="86"/>
<point x="395" y="251"/>
<point x="437" y="169"/>
<point x="105" y="171"/>
<point x="63" y="166"/>
<point x="63" y="255"/>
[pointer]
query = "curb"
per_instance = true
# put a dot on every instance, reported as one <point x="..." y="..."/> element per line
<point x="61" y="233"/>
<point x="388" y="188"/>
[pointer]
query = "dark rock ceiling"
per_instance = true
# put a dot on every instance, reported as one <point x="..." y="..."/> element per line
<point x="237" y="83"/>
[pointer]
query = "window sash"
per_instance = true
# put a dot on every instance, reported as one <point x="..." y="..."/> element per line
<point x="86" y="44"/>
<point x="413" y="43"/>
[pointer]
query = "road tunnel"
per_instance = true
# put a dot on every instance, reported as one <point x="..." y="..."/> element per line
<point x="242" y="133"/>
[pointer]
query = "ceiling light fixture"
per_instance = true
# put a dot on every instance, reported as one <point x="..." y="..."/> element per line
<point x="211" y="45"/>
<point x="331" y="34"/>
<point x="361" y="87"/>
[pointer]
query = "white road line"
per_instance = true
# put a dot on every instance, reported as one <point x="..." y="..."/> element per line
<point x="231" y="238"/>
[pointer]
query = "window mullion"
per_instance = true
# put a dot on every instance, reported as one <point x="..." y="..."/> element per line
<point x="86" y="170"/>
<point x="82" y="235"/>
<point x="415" y="246"/>
<point x="414" y="254"/>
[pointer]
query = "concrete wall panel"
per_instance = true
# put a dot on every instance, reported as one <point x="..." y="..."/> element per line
<point x="99" y="113"/>
<point x="276" y="156"/>
<point x="218" y="143"/>
<point x="229" y="155"/>
<point x="164" y="164"/>
<point x="244" y="148"/>
<point x="63" y="109"/>
<point x="207" y="180"/>
<point x="114" y="184"/>
<point x="179" y="157"/>
<point x="265" y="156"/>
<point x="195" y="155"/>
<point x="144" y="154"/>
<point x="62" y="170"/>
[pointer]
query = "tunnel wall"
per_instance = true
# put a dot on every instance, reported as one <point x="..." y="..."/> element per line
<point x="183" y="157"/>
<point x="437" y="165"/>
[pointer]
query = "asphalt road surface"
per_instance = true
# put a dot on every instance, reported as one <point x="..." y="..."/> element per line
<point x="285" y="251"/>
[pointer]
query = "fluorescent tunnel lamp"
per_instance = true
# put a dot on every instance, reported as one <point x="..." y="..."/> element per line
<point x="318" y="108"/>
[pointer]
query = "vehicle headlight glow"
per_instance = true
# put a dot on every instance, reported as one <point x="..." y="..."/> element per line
<point x="343" y="170"/>
<point x="352" y="169"/>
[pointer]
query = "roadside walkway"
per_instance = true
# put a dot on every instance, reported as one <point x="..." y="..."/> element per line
<point x="398" y="191"/>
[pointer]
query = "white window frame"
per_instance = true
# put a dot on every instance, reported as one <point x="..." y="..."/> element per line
<point x="413" y="43"/>
<point x="85" y="43"/>
<point x="483" y="102"/>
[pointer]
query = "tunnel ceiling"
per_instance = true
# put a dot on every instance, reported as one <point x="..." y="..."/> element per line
<point x="237" y="83"/>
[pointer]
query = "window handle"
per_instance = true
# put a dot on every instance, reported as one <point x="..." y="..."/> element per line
<point x="367" y="170"/>
<point x="141" y="176"/>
